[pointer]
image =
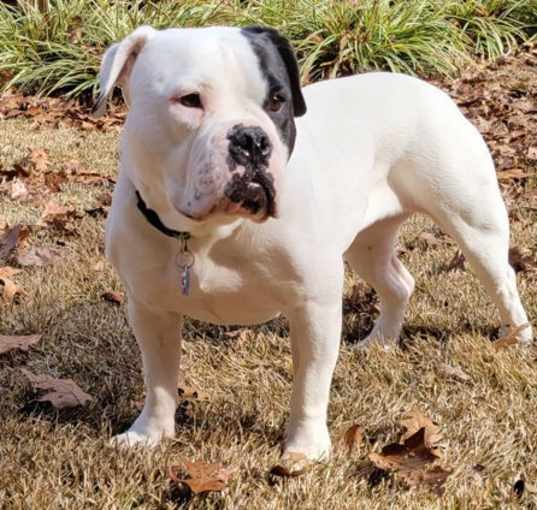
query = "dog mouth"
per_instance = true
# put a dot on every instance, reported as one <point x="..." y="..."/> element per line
<point x="255" y="197"/>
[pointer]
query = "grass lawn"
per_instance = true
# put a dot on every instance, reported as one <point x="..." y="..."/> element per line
<point x="483" y="400"/>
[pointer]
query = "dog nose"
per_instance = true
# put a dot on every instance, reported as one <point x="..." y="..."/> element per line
<point x="249" y="146"/>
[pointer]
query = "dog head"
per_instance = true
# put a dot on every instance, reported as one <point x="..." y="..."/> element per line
<point x="211" y="114"/>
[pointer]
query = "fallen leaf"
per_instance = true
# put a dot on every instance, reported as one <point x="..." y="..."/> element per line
<point x="37" y="256"/>
<point x="411" y="461"/>
<point x="61" y="393"/>
<point x="50" y="111"/>
<point x="416" y="420"/>
<point x="353" y="437"/>
<point x="292" y="464"/>
<point x="10" y="289"/>
<point x="19" y="170"/>
<point x="20" y="342"/>
<point x="105" y="199"/>
<point x="510" y="338"/>
<point x="9" y="272"/>
<point x="55" y="212"/>
<point x="18" y="190"/>
<point x="113" y="297"/>
<point x="434" y="478"/>
<point x="455" y="372"/>
<point x="202" y="477"/>
<point x="11" y="239"/>
<point x="413" y="453"/>
<point x="54" y="180"/>
<point x="520" y="262"/>
<point x="39" y="159"/>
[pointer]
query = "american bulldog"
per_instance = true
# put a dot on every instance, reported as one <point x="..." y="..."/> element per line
<point x="236" y="203"/>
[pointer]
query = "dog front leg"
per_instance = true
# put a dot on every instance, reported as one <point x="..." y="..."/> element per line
<point x="315" y="337"/>
<point x="158" y="336"/>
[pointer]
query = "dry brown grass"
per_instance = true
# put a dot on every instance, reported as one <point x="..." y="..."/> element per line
<point x="61" y="459"/>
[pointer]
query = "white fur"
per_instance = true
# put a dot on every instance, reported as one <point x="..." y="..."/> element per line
<point x="371" y="150"/>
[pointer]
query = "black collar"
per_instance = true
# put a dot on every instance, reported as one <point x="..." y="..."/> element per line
<point x="153" y="218"/>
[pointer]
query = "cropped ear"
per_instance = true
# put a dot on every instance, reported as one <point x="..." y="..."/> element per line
<point x="287" y="55"/>
<point x="117" y="64"/>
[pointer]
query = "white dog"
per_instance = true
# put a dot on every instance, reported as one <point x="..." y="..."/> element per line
<point x="229" y="210"/>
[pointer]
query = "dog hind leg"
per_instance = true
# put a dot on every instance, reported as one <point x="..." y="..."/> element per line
<point x="485" y="244"/>
<point x="372" y="256"/>
<point x="459" y="189"/>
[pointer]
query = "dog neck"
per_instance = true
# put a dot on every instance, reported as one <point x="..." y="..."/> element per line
<point x="154" y="220"/>
<point x="184" y="259"/>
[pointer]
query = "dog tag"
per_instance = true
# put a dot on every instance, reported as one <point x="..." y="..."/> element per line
<point x="185" y="261"/>
<point x="185" y="281"/>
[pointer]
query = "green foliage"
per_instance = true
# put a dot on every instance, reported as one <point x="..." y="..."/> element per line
<point x="61" y="50"/>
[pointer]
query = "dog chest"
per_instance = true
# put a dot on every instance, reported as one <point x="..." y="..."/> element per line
<point x="226" y="291"/>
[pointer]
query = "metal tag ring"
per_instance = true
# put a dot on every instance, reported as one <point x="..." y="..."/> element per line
<point x="184" y="259"/>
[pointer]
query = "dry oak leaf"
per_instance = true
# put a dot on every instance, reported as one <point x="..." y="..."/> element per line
<point x="202" y="477"/>
<point x="39" y="159"/>
<point x="80" y="175"/>
<point x="10" y="240"/>
<point x="19" y="342"/>
<point x="61" y="393"/>
<point x="412" y="454"/>
<point x="55" y="213"/>
<point x="435" y="478"/>
<point x="411" y="461"/>
<point x="10" y="288"/>
<point x="520" y="262"/>
<point x="510" y="338"/>
<point x="291" y="465"/>
<point x="8" y="272"/>
<point x="37" y="256"/>
<point x="113" y="297"/>
<point x="353" y="437"/>
<point x="416" y="420"/>
<point x="20" y="170"/>
<point x="54" y="180"/>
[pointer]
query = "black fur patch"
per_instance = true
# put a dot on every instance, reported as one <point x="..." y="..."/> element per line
<point x="255" y="162"/>
<point x="279" y="67"/>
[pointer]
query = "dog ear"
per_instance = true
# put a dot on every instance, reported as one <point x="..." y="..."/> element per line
<point x="117" y="64"/>
<point x="287" y="55"/>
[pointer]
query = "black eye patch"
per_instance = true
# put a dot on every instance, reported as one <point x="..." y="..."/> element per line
<point x="278" y="103"/>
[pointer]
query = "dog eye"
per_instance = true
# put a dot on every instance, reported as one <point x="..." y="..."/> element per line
<point x="191" y="101"/>
<point x="275" y="102"/>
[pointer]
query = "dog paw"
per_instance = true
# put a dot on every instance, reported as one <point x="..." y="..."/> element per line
<point x="140" y="435"/>
<point x="311" y="441"/>
<point x="386" y="338"/>
<point x="131" y="439"/>
<point x="523" y="333"/>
